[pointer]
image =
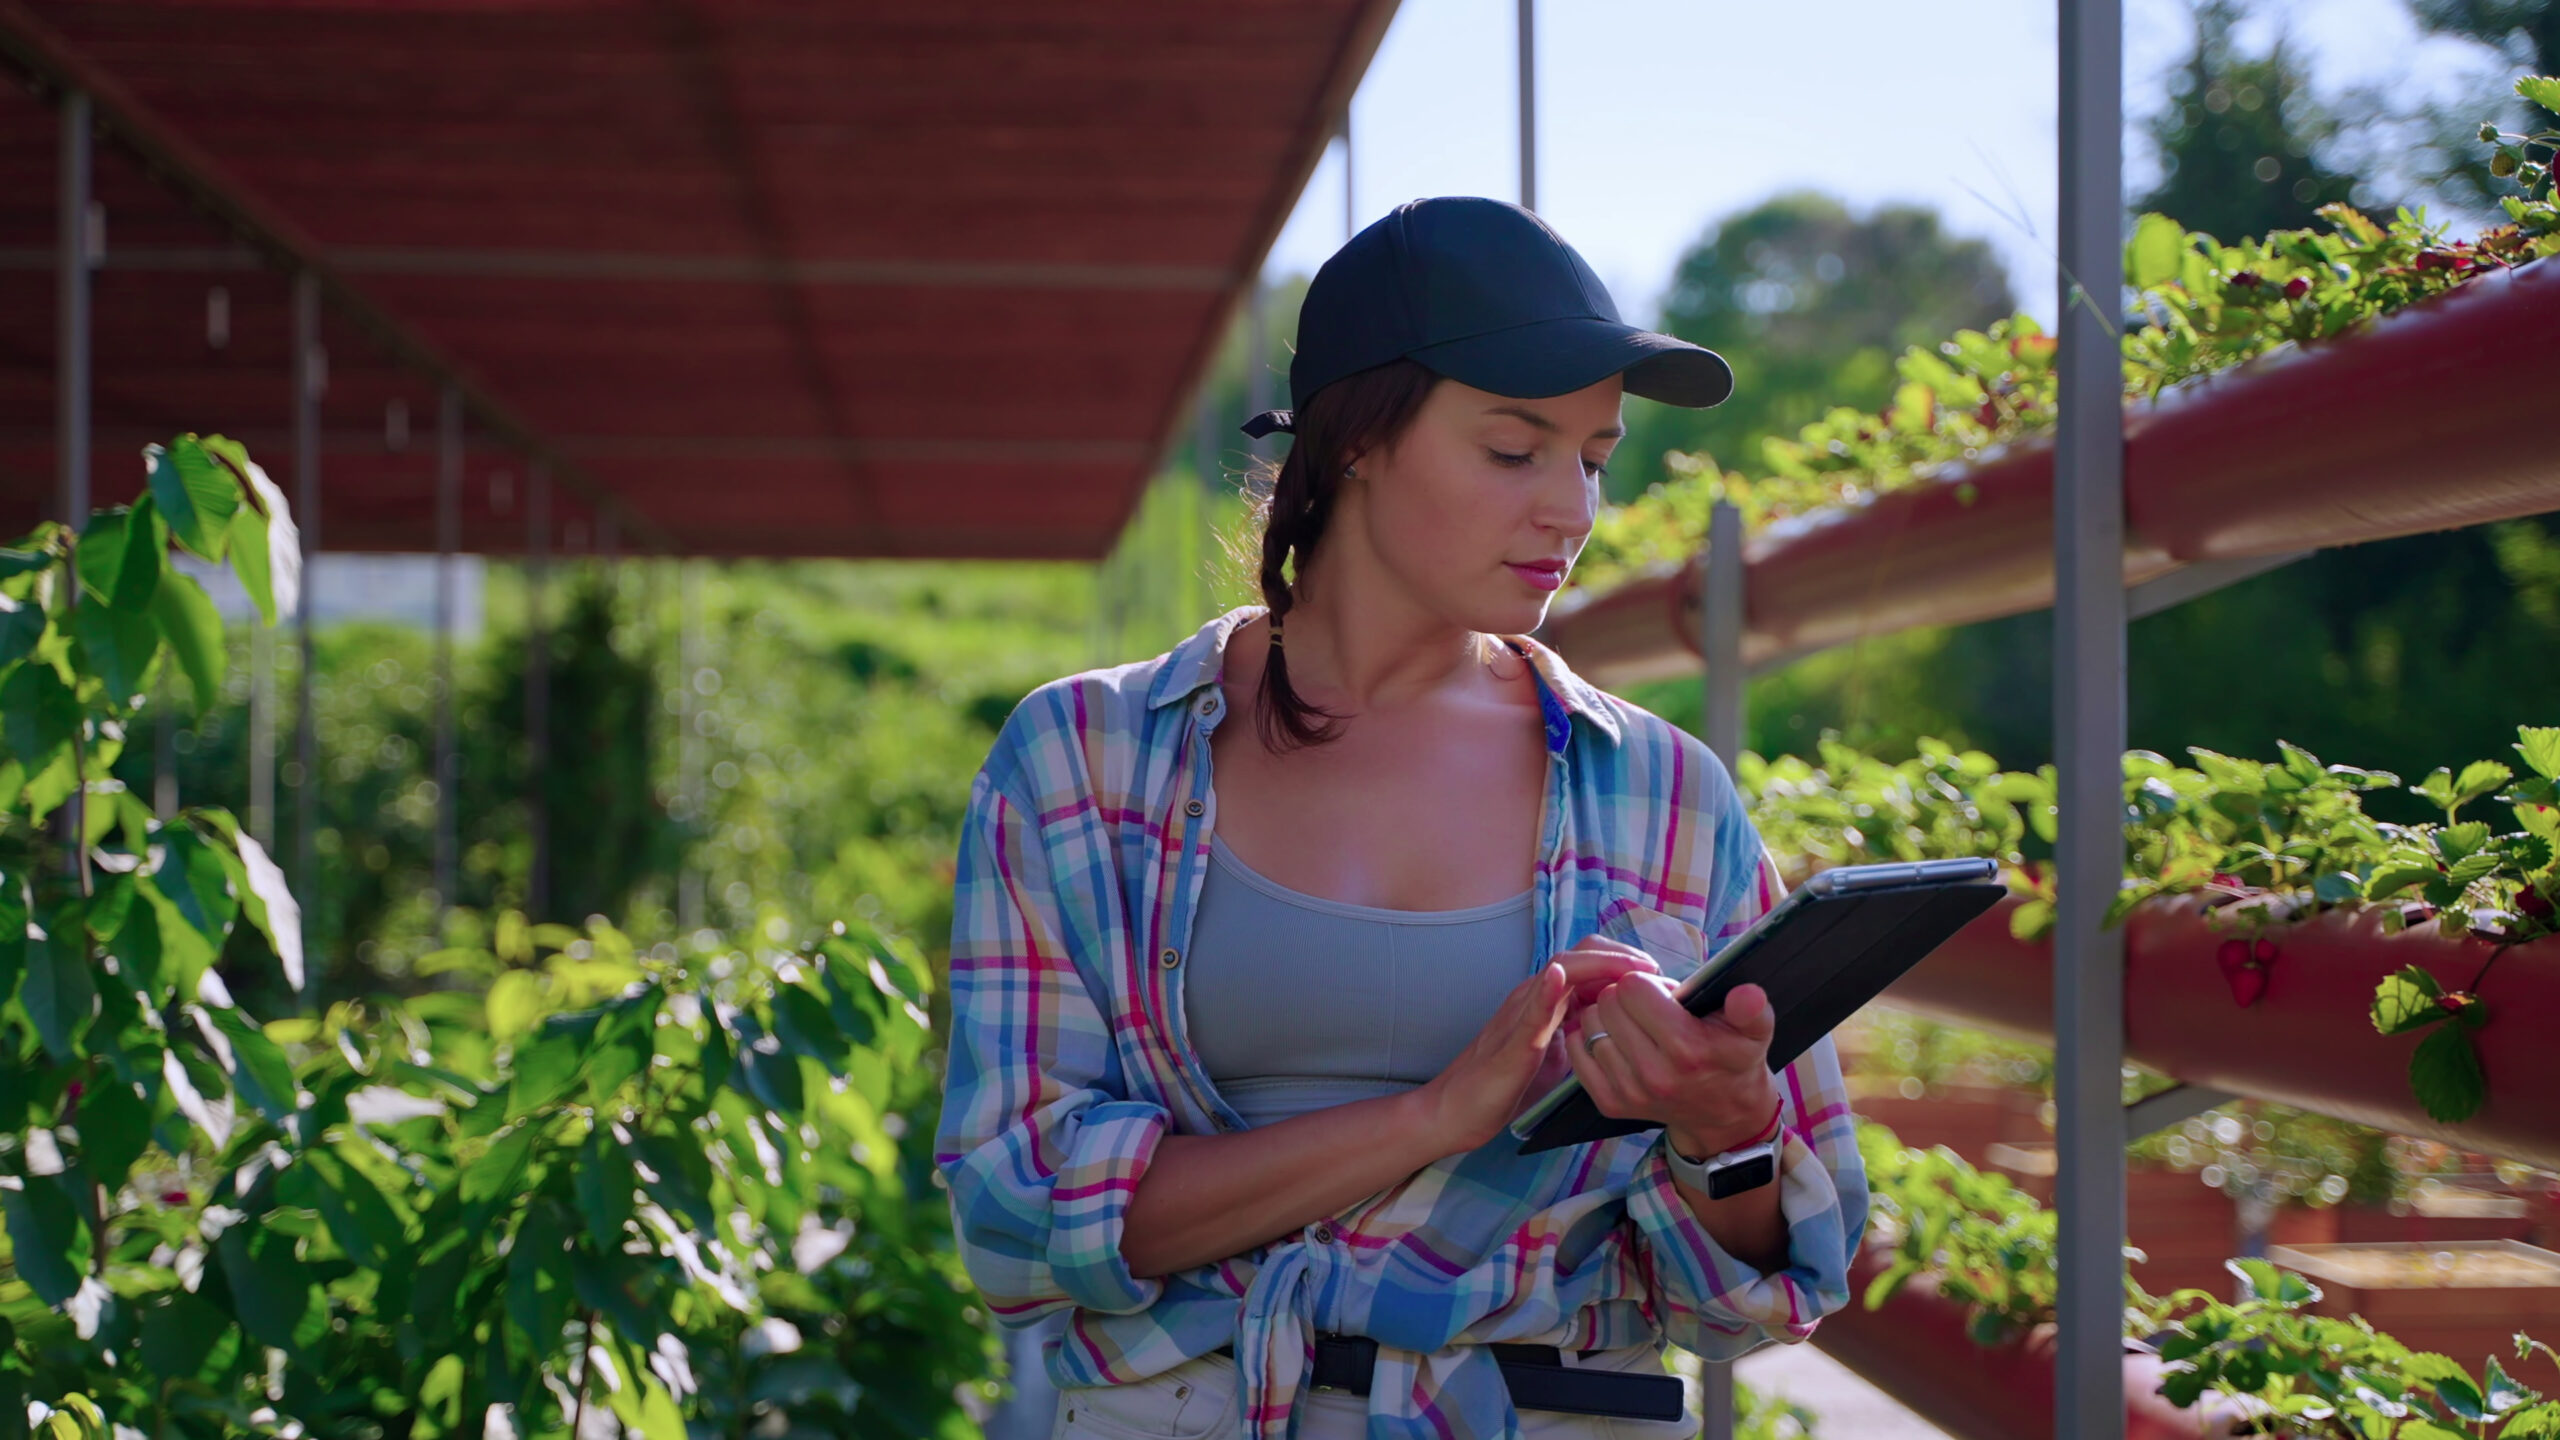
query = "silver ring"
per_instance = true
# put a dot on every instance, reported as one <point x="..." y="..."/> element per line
<point x="1595" y="1037"/>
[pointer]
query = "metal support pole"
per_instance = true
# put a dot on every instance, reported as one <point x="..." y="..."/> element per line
<point x="1720" y="643"/>
<point x="689" y="883"/>
<point x="1257" y="359"/>
<point x="71" y="310"/>
<point x="1720" y="633"/>
<point x="1529" y="104"/>
<point x="2089" y="730"/>
<point x="448" y="540"/>
<point x="537" y="685"/>
<point x="262" y="736"/>
<point x="1350" y="193"/>
<point x="310" y="378"/>
<point x="71" y="391"/>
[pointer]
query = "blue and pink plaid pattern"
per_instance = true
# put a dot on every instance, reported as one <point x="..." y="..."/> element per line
<point x="1080" y="865"/>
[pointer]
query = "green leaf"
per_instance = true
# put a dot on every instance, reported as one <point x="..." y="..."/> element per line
<point x="115" y="1128"/>
<point x="2406" y="1001"/>
<point x="2542" y="90"/>
<point x="99" y="562"/>
<point x="2541" y="1422"/>
<point x="271" y="1290"/>
<point x="179" y="1332"/>
<point x="2260" y="1276"/>
<point x="192" y="877"/>
<point x="2444" y="1071"/>
<point x="196" y="495"/>
<point x="2457" y="842"/>
<point x="38" y="715"/>
<point x="605" y="1184"/>
<point x="2499" y="1393"/>
<point x="2157" y="252"/>
<point x="274" y="577"/>
<point x="260" y="1074"/>
<point x="2458" y="1396"/>
<point x="2479" y="778"/>
<point x="48" y="1246"/>
<point x="2438" y="787"/>
<point x="514" y="1004"/>
<point x="193" y="629"/>
<point x="494" y="1173"/>
<point x="2540" y="747"/>
<point x="60" y="994"/>
<point x="546" y="1069"/>
<point x="270" y="906"/>
<point x="22" y="629"/>
<point x="119" y="646"/>
<point x="349" y="1203"/>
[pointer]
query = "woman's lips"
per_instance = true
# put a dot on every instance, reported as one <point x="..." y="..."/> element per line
<point x="1544" y="574"/>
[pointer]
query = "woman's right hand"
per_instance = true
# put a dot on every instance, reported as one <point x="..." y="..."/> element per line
<point x="1467" y="1104"/>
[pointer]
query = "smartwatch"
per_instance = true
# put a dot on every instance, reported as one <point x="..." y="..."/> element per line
<point x="1722" y="1176"/>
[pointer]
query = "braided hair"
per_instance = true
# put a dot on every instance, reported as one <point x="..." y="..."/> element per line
<point x="1362" y="412"/>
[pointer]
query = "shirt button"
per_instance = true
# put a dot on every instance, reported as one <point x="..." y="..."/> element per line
<point x="1209" y="705"/>
<point x="1194" y="808"/>
<point x="1324" y="1234"/>
<point x="1170" y="958"/>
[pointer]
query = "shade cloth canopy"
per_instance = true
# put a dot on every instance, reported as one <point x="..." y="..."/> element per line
<point x="750" y="278"/>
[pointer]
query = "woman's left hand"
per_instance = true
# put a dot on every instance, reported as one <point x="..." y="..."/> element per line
<point x="1705" y="1079"/>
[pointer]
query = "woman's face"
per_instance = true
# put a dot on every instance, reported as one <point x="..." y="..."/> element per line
<point x="1479" y="509"/>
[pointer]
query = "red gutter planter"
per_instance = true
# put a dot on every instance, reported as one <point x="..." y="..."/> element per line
<point x="2307" y="1041"/>
<point x="1917" y="1350"/>
<point x="2403" y="427"/>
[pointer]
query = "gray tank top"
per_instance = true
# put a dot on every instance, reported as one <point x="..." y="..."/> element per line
<point x="1297" y="1003"/>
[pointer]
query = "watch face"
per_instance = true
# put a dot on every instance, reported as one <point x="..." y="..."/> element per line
<point x="1742" y="1175"/>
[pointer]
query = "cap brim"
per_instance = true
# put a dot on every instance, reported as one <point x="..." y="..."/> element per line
<point x="1558" y="357"/>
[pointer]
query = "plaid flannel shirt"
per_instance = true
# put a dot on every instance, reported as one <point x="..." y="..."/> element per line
<point x="1080" y="866"/>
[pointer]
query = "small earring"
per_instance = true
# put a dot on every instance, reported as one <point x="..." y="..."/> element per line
<point x="1350" y="472"/>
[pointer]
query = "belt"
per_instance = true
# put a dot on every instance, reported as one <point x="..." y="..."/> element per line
<point x="1536" y="1375"/>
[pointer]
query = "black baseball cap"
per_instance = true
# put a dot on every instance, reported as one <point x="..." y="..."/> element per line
<point x="1482" y="292"/>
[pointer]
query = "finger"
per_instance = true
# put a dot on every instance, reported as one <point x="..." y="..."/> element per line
<point x="1547" y="1003"/>
<point x="1645" y="1070"/>
<point x="1603" y="945"/>
<point x="1648" y="1008"/>
<point x="1599" y="1075"/>
<point x="1748" y="1011"/>
<point x="1590" y="971"/>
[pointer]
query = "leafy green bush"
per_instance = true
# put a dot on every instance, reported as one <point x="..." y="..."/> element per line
<point x="679" y="1184"/>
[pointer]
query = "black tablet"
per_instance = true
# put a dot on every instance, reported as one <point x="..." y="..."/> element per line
<point x="1824" y="950"/>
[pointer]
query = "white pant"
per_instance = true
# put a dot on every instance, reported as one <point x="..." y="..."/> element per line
<point x="1196" y="1400"/>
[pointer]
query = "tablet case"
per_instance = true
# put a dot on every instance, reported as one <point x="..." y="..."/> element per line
<point x="1822" y="952"/>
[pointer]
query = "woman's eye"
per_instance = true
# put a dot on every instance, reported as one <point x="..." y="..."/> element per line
<point x="1596" y="469"/>
<point x="1502" y="457"/>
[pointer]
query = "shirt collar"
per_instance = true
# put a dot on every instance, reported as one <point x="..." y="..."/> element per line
<point x="1196" y="664"/>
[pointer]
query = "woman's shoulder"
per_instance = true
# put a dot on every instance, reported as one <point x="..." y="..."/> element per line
<point x="1632" y="747"/>
<point x="1094" y="713"/>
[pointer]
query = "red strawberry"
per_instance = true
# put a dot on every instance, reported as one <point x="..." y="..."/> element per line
<point x="1988" y="415"/>
<point x="2297" y="287"/>
<point x="173" y="1197"/>
<point x="2454" y="1002"/>
<point x="2243" y="970"/>
<point x="2531" y="902"/>
<point x="2264" y="952"/>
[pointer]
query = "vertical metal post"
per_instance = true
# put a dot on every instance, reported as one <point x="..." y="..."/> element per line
<point x="1350" y="192"/>
<point x="1720" y="644"/>
<point x="1720" y="632"/>
<point x="71" y="392"/>
<point x="1257" y="359"/>
<point x="310" y="378"/>
<point x="262" y="735"/>
<point x="71" y="311"/>
<point x="537" y="685"/>
<point x="690" y="882"/>
<point x="2089" y="729"/>
<point x="1528" y="104"/>
<point x="448" y="540"/>
<point x="164" y="750"/>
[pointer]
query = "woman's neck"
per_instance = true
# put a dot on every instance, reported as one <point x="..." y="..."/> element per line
<point x="1366" y="646"/>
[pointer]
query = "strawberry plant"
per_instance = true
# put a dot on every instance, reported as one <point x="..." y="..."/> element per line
<point x="2199" y="307"/>
<point x="2267" y="1356"/>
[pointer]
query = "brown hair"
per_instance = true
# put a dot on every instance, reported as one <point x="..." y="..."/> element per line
<point x="1365" y="411"/>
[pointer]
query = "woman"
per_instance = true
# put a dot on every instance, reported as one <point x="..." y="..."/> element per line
<point x="1231" y="1065"/>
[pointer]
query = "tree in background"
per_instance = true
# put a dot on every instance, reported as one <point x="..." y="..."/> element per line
<point x="2445" y="157"/>
<point x="1810" y="304"/>
<point x="2238" y="142"/>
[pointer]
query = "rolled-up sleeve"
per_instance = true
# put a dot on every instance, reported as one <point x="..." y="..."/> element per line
<point x="1038" y="1145"/>
<point x="1707" y="1301"/>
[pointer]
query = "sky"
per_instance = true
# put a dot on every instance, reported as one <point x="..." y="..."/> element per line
<point x="1656" y="117"/>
